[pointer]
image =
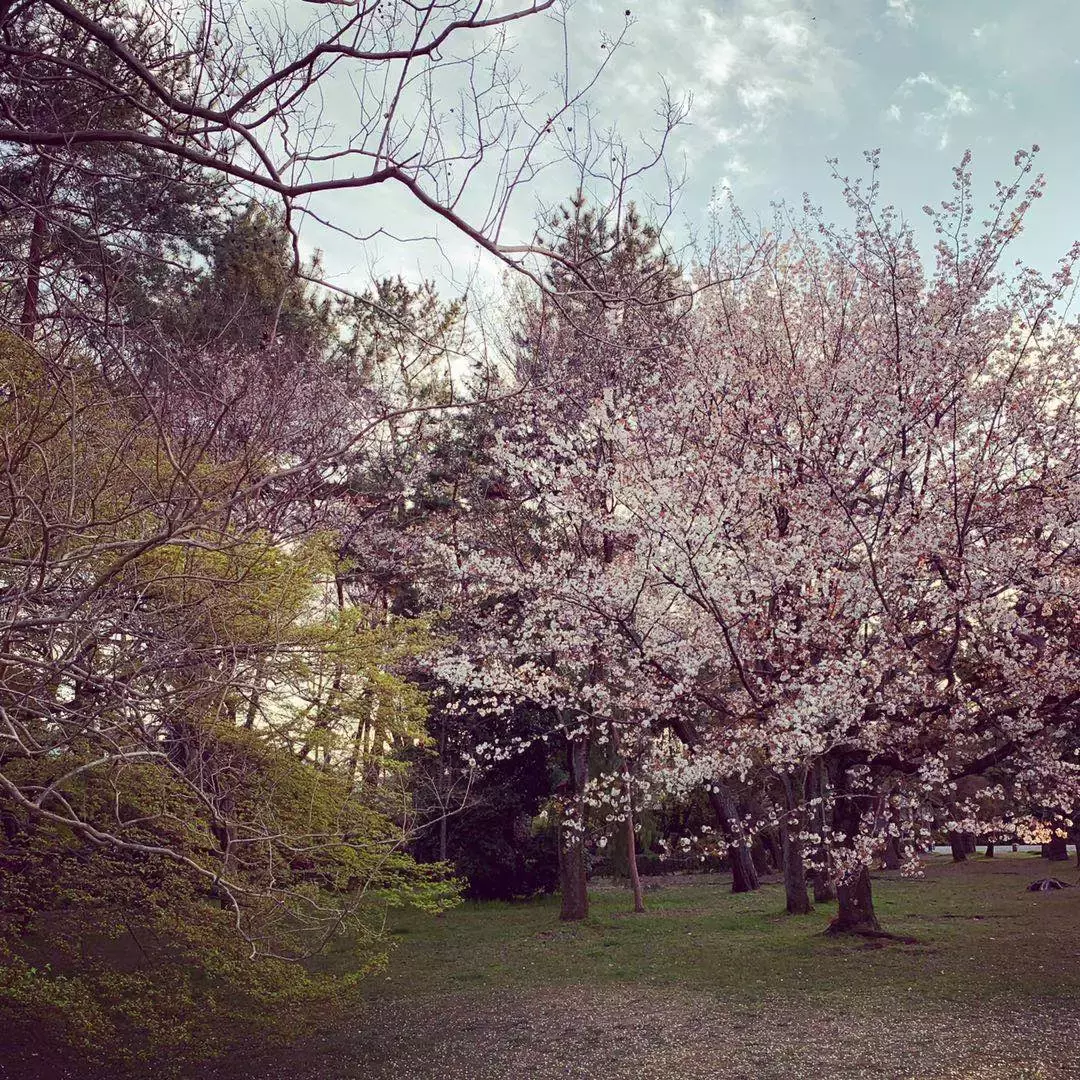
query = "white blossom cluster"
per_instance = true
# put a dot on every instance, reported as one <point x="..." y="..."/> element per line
<point x="828" y="530"/>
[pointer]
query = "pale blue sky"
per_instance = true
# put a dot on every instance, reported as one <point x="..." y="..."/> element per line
<point x="778" y="86"/>
<point x="782" y="85"/>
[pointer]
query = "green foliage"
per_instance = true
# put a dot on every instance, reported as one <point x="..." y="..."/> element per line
<point x="202" y="779"/>
<point x="126" y="961"/>
<point x="250" y="292"/>
<point x="398" y="337"/>
<point x="122" y="962"/>
<point x="612" y="299"/>
<point x="500" y="841"/>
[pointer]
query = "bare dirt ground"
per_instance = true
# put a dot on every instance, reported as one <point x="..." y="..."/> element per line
<point x="625" y="1033"/>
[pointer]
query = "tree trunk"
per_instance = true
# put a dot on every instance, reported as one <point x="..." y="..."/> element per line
<point x="744" y="877"/>
<point x="890" y="857"/>
<point x="760" y="856"/>
<point x="774" y="854"/>
<point x="856" y="901"/>
<point x="798" y="901"/>
<point x="631" y="856"/>
<point x="572" y="871"/>
<point x="989" y="851"/>
<point x="572" y="879"/>
<point x="631" y="838"/>
<point x="824" y="890"/>
<point x="1058" y="849"/>
<point x="969" y="843"/>
<point x="856" y="913"/>
<point x="959" y="848"/>
<point x="35" y="255"/>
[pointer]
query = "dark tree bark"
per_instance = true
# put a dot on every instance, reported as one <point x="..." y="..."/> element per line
<point x="796" y="896"/>
<point x="969" y="843"/>
<point x="824" y="890"/>
<point x="573" y="882"/>
<point x="890" y="857"/>
<point x="1058" y="849"/>
<point x="744" y="876"/>
<point x="856" y="911"/>
<point x="772" y="847"/>
<point x="572" y="879"/>
<point x="631" y="838"/>
<point x="798" y="900"/>
<point x="959" y="848"/>
<point x="989" y="851"/>
<point x="631" y="856"/>
<point x="759" y="857"/>
<point x="855" y="914"/>
<point x="32" y="287"/>
<point x="35" y="256"/>
<point x="444" y="837"/>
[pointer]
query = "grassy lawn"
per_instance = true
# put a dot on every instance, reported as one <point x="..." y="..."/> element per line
<point x="980" y="934"/>
<point x="711" y="985"/>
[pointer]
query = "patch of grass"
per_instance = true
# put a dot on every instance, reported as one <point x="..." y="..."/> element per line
<point x="979" y="934"/>
<point x="704" y="986"/>
<point x="710" y="986"/>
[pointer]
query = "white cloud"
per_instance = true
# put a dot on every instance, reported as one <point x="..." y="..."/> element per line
<point x="901" y="11"/>
<point x="717" y="64"/>
<point x="753" y="62"/>
<point x="760" y="96"/>
<point x="937" y="106"/>
<point x="724" y="135"/>
<point x="750" y="67"/>
<point x="785" y="32"/>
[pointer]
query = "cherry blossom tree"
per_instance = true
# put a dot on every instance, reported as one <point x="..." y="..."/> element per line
<point x="526" y="639"/>
<point x="861" y="509"/>
<point x="829" y="530"/>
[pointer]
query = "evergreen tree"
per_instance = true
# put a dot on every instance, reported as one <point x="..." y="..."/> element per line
<point x="91" y="231"/>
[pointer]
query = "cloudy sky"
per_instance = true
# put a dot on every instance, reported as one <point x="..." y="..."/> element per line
<point x="779" y="86"/>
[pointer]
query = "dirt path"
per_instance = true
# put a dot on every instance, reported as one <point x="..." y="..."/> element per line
<point x="619" y="1033"/>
